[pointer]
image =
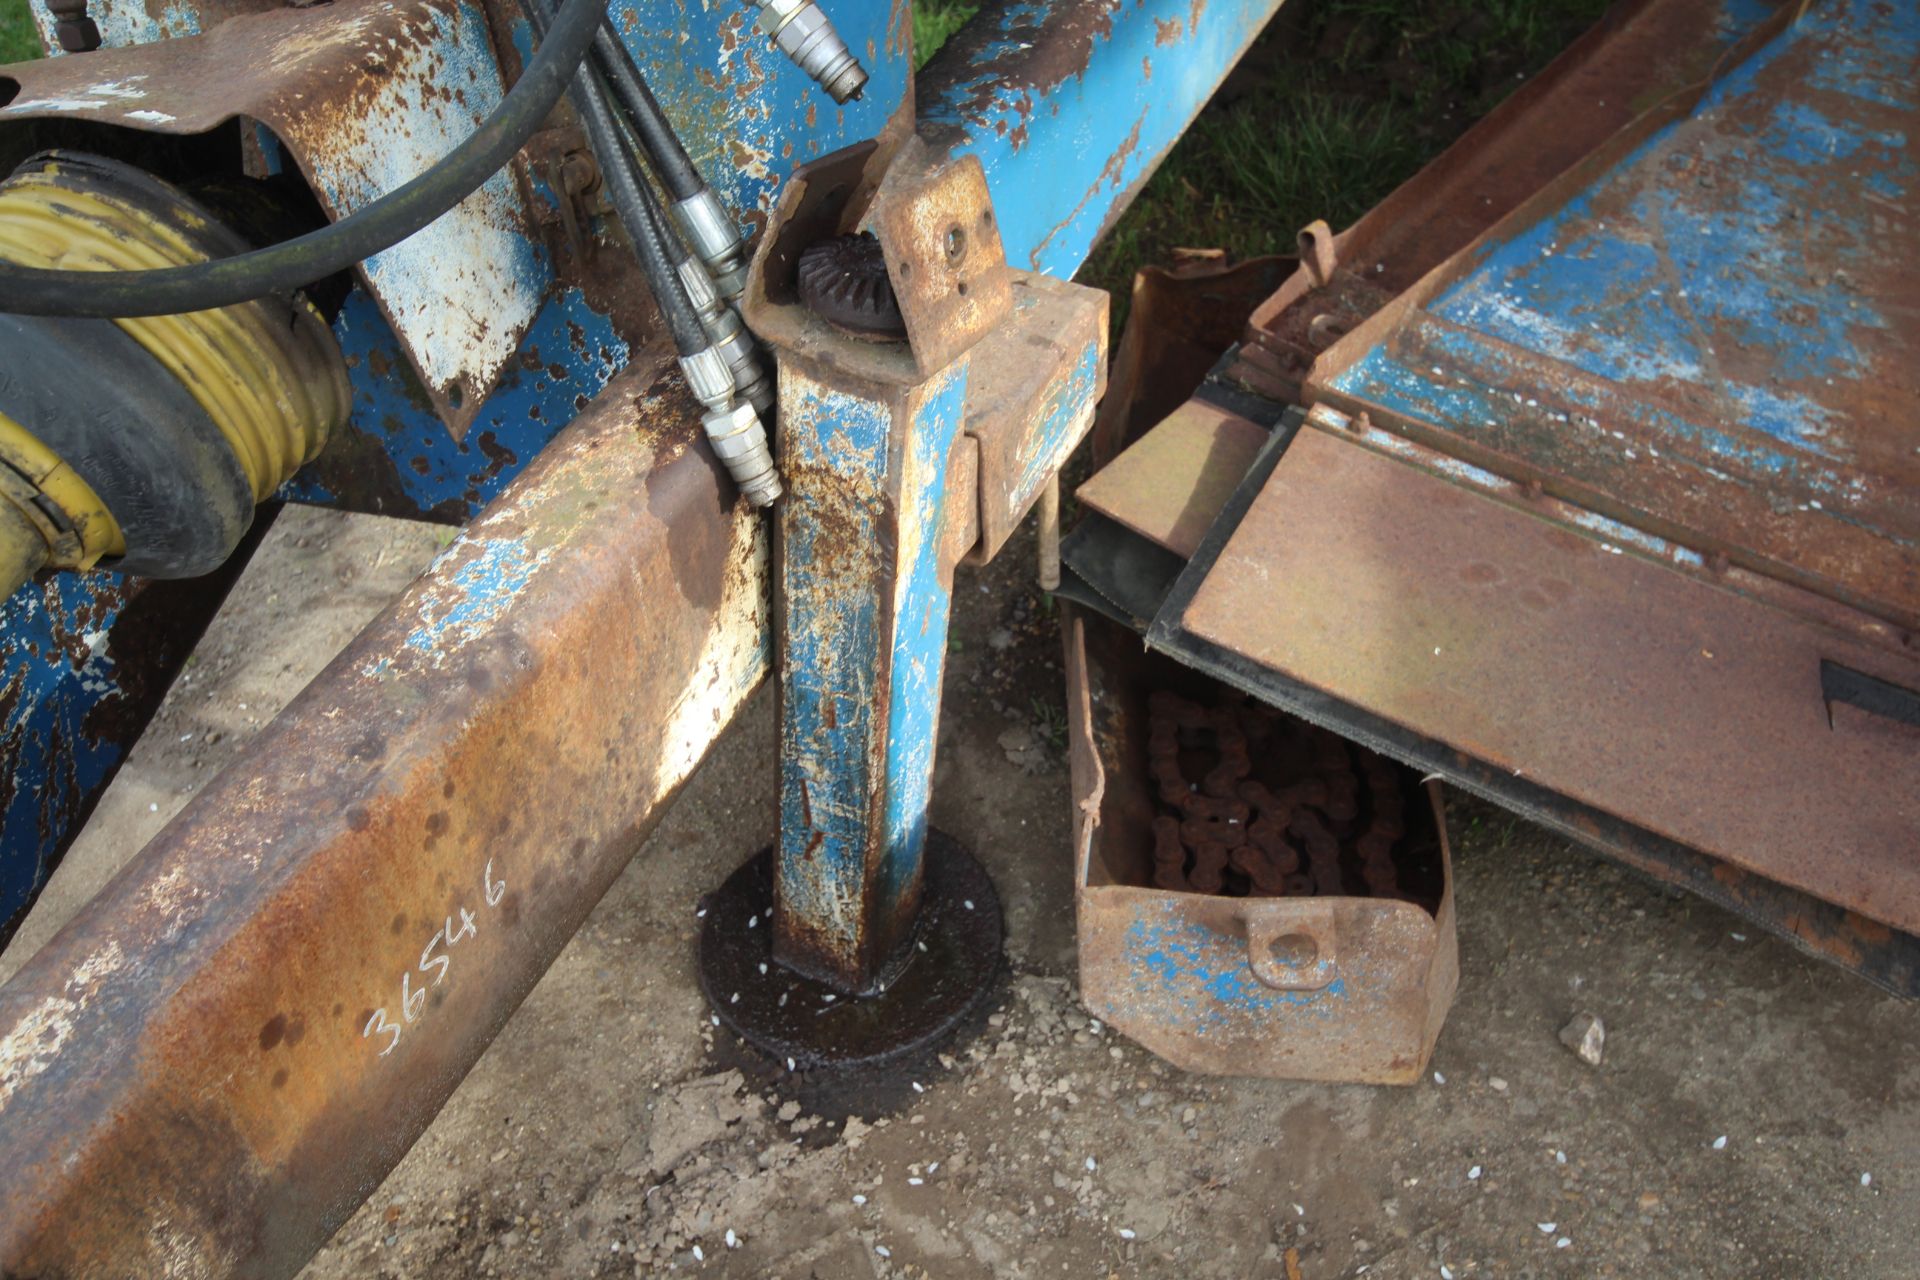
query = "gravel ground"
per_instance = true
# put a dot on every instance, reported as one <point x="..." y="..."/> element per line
<point x="1755" y="1114"/>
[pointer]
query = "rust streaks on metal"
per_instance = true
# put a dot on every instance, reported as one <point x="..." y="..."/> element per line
<point x="230" y="1046"/>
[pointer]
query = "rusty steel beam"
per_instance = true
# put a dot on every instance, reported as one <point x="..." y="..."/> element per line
<point x="220" y="1057"/>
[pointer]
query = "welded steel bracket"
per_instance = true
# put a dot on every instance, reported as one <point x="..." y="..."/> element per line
<point x="900" y="459"/>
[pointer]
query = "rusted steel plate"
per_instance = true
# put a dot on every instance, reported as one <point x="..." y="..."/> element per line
<point x="1680" y="707"/>
<point x="936" y="226"/>
<point x="1707" y="330"/>
<point x="1639" y="53"/>
<point x="1180" y="320"/>
<point x="221" y="1055"/>
<point x="1033" y="385"/>
<point x="1172" y="483"/>
<point x="364" y="96"/>
<point x="1191" y="976"/>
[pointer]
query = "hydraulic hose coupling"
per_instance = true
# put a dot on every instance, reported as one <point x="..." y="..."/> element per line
<point x="730" y="338"/>
<point x="801" y="29"/>
<point x="733" y="427"/>
<point x="715" y="239"/>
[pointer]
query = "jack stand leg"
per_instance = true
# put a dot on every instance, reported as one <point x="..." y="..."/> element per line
<point x="875" y="938"/>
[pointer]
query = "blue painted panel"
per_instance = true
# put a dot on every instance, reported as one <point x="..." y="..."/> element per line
<point x="1070" y="110"/>
<point x="1197" y="978"/>
<point x="1069" y="405"/>
<point x="57" y="682"/>
<point x="833" y="566"/>
<point x="399" y="459"/>
<point x="748" y="116"/>
<point x="1642" y="281"/>
<point x="922" y="600"/>
<point x="1713" y="332"/>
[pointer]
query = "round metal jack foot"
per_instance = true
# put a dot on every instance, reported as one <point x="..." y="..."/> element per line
<point x="805" y="1024"/>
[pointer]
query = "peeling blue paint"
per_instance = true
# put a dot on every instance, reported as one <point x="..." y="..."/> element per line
<point x="54" y="675"/>
<point x="1060" y="157"/>
<point x="921" y="606"/>
<point x="834" y="450"/>
<point x="570" y="353"/>
<point x="1714" y="284"/>
<point x="866" y="600"/>
<point x="748" y="116"/>
<point x="1197" y="978"/>
<point x="1044" y="451"/>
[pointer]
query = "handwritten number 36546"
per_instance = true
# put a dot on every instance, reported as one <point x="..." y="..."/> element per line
<point x="413" y="1000"/>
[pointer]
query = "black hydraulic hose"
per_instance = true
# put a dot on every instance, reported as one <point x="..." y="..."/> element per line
<point x="625" y="188"/>
<point x="663" y="147"/>
<point x="388" y="220"/>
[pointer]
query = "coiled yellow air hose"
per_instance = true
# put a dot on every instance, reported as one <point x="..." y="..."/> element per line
<point x="275" y="389"/>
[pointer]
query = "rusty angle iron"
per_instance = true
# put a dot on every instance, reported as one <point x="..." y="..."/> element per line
<point x="247" y="1028"/>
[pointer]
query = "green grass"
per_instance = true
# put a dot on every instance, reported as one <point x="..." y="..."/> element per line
<point x="18" y="39"/>
<point x="933" y="22"/>
<point x="1338" y="104"/>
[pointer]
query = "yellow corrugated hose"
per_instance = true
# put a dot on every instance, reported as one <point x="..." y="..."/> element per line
<point x="275" y="391"/>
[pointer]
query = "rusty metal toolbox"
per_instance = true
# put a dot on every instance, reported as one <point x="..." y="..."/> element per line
<point x="1338" y="988"/>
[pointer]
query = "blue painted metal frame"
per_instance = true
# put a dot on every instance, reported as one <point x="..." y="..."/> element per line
<point x="1068" y="105"/>
<point x="865" y="591"/>
<point x="1704" y="334"/>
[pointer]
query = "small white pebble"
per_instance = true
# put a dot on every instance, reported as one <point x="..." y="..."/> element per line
<point x="1562" y="1242"/>
<point x="736" y="998"/>
<point x="967" y="903"/>
<point x="153" y="808"/>
<point x="921" y="945"/>
<point x="1094" y="1026"/>
<point x="1866" y="1179"/>
<point x="1498" y="1084"/>
<point x="934" y="1167"/>
<point x="783" y="999"/>
<point x="1436" y="651"/>
<point x="1559" y="1157"/>
<point x="1546" y="1228"/>
<point x="763" y="969"/>
<point x="701" y="913"/>
<point x="1437" y="1077"/>
<point x="830" y="997"/>
<point x="1299" y="1211"/>
<point x="716" y="1019"/>
<point x="733" y="1241"/>
<point x="918" y="1087"/>
<point x="1720" y="1143"/>
<point x="859" y="1199"/>
<point x="1126" y="1233"/>
<point x="789" y="1060"/>
<point x="883" y="1251"/>
<point x="1738" y="937"/>
<point x="699" y="1255"/>
<point x="753" y="922"/>
<point x="1091" y="1166"/>
<point x="616" y="1246"/>
<point x="1473" y="1174"/>
<point x="1446" y="1272"/>
<point x="916" y="1182"/>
